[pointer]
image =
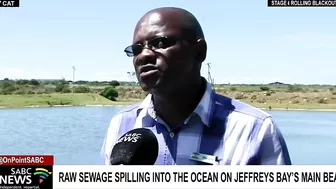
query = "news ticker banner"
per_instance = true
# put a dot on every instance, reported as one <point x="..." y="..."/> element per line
<point x="193" y="177"/>
<point x="26" y="172"/>
<point x="301" y="3"/>
<point x="270" y="3"/>
<point x="39" y="172"/>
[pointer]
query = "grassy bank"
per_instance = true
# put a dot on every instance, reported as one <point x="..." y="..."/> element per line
<point x="275" y="96"/>
<point x="56" y="99"/>
<point x="48" y="100"/>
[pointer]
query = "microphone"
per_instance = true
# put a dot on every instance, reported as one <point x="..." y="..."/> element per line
<point x="136" y="147"/>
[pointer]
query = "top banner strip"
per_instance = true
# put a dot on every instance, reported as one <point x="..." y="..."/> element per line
<point x="301" y="3"/>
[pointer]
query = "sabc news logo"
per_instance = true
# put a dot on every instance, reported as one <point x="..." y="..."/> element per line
<point x="28" y="177"/>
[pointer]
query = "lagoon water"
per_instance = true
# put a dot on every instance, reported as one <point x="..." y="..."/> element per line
<point x="75" y="134"/>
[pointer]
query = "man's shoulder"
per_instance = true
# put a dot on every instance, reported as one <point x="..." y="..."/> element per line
<point x="239" y="108"/>
<point x="131" y="109"/>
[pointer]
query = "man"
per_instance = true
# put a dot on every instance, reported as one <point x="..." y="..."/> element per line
<point x="182" y="110"/>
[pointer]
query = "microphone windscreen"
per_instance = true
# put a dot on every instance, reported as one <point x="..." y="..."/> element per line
<point x="136" y="147"/>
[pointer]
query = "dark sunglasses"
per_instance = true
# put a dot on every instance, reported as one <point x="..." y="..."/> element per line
<point x="155" y="43"/>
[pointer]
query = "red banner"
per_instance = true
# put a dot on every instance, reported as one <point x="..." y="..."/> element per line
<point x="26" y="160"/>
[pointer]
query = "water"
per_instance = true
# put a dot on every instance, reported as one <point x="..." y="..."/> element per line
<point x="75" y="134"/>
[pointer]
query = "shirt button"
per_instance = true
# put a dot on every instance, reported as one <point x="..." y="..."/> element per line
<point x="171" y="135"/>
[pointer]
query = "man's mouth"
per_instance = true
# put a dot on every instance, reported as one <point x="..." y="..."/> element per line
<point x="148" y="70"/>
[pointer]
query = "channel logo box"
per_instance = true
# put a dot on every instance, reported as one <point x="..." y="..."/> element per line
<point x="26" y="172"/>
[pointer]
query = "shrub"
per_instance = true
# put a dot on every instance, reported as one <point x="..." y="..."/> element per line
<point x="322" y="101"/>
<point x="81" y="89"/>
<point x="9" y="89"/>
<point x="66" y="90"/>
<point x="239" y="96"/>
<point x="114" y="83"/>
<point x="110" y="93"/>
<point x="61" y="87"/>
<point x="22" y="82"/>
<point x="34" y="82"/>
<point x="294" y="88"/>
<point x="264" y="88"/>
<point x="233" y="88"/>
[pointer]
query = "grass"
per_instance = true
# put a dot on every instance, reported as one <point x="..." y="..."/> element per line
<point x="52" y="99"/>
<point x="261" y="96"/>
<point x="264" y="96"/>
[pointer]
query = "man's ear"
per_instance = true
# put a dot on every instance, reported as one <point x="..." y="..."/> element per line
<point x="201" y="48"/>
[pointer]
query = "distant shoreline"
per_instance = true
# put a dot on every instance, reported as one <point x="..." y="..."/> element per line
<point x="124" y="105"/>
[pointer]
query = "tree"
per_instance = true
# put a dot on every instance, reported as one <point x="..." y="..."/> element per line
<point x="114" y="83"/>
<point x="34" y="82"/>
<point x="110" y="93"/>
<point x="22" y="82"/>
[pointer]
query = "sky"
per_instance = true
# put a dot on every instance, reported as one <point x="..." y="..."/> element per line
<point x="248" y="42"/>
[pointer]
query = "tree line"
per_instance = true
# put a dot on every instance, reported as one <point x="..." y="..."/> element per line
<point x="34" y="86"/>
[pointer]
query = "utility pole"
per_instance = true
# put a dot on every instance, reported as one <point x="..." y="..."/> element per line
<point x="209" y="76"/>
<point x="73" y="78"/>
<point x="131" y="76"/>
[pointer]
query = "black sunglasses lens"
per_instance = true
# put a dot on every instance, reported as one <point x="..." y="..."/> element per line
<point x="133" y="50"/>
<point x="128" y="51"/>
<point x="136" y="49"/>
<point x="162" y="42"/>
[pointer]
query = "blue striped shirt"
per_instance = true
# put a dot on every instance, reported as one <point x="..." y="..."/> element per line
<point x="235" y="132"/>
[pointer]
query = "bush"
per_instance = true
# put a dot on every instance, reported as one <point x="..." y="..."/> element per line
<point x="22" y="82"/>
<point x="110" y="93"/>
<point x="34" y="82"/>
<point x="62" y="86"/>
<point x="66" y="90"/>
<point x="294" y="88"/>
<point x="114" y="83"/>
<point x="322" y="101"/>
<point x="239" y="96"/>
<point x="233" y="89"/>
<point x="264" y="88"/>
<point x="59" y="87"/>
<point x="81" y="89"/>
<point x="6" y="84"/>
<point x="8" y="88"/>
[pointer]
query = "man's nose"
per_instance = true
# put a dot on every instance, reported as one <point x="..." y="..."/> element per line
<point x="147" y="56"/>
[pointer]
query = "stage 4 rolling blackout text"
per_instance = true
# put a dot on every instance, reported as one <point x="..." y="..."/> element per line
<point x="197" y="177"/>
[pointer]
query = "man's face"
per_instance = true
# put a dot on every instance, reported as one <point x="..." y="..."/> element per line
<point x="166" y="61"/>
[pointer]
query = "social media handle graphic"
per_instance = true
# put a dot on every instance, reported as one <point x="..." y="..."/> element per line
<point x="26" y="172"/>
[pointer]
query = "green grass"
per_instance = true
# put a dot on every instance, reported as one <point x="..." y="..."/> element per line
<point x="261" y="96"/>
<point x="53" y="99"/>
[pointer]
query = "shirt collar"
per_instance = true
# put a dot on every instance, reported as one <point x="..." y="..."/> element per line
<point x="205" y="108"/>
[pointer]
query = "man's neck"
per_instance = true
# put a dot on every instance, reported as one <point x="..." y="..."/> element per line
<point x="174" y="109"/>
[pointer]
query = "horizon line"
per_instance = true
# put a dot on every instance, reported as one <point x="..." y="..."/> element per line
<point x="228" y="83"/>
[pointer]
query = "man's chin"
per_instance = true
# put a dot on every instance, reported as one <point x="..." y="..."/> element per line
<point x="149" y="86"/>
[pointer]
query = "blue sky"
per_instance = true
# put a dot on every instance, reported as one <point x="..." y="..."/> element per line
<point x="248" y="42"/>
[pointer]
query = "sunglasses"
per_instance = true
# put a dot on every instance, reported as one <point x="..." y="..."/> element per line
<point x="161" y="42"/>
